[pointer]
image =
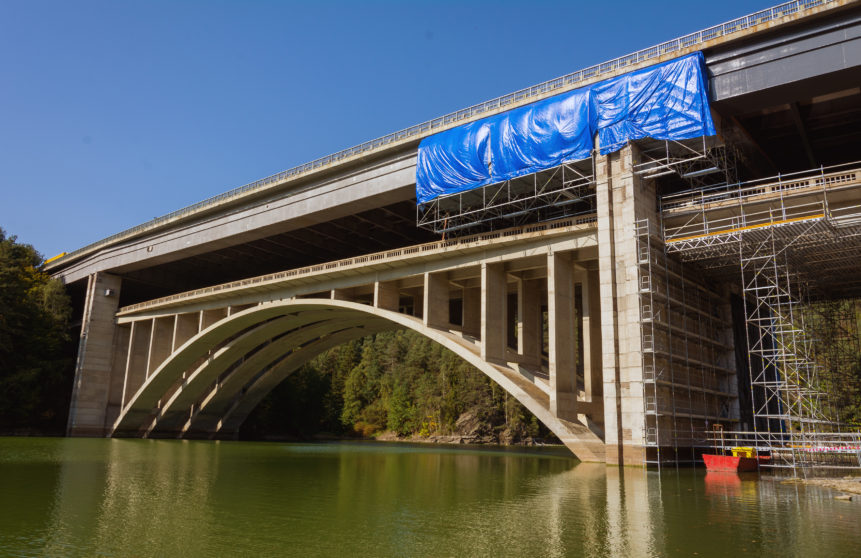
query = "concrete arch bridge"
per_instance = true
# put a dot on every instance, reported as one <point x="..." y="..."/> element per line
<point x="197" y="363"/>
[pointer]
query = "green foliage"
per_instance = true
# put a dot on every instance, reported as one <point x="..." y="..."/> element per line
<point x="398" y="381"/>
<point x="35" y="369"/>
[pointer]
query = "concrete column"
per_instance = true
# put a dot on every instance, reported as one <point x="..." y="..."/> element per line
<point x="529" y="332"/>
<point x="436" y="300"/>
<point x="607" y="289"/>
<point x="185" y="326"/>
<point x="160" y="343"/>
<point x="622" y="199"/>
<point x="471" y="319"/>
<point x="591" y="327"/>
<point x="561" y="334"/>
<point x="493" y="306"/>
<point x="386" y="295"/>
<point x="136" y="364"/>
<point x="94" y="367"/>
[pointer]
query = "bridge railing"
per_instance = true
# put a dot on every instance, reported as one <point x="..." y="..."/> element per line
<point x="568" y="81"/>
<point x="731" y="208"/>
<point x="782" y="184"/>
<point x="379" y="257"/>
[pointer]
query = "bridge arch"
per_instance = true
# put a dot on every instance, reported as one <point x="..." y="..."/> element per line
<point x="209" y="385"/>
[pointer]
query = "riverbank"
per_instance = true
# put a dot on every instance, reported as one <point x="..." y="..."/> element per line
<point x="847" y="485"/>
<point x="441" y="439"/>
<point x="458" y="439"/>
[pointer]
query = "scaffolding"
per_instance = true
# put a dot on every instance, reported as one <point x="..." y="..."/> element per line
<point x="700" y="163"/>
<point x="794" y="241"/>
<point x="687" y="354"/>
<point x="647" y="332"/>
<point x="562" y="191"/>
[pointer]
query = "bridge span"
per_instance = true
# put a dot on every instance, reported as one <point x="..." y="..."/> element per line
<point x="616" y="295"/>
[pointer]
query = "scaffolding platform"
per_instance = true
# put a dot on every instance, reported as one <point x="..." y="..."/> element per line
<point x="563" y="191"/>
<point x="794" y="242"/>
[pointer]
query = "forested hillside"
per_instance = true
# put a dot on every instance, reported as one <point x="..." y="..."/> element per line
<point x="395" y="382"/>
<point x="36" y="350"/>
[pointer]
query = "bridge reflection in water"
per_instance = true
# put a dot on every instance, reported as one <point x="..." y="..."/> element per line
<point x="155" y="497"/>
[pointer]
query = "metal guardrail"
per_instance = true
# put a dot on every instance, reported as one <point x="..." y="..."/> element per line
<point x="782" y="188"/>
<point x="425" y="128"/>
<point x="784" y="184"/>
<point x="838" y="450"/>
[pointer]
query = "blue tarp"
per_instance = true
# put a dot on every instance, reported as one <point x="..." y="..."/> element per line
<point x="667" y="101"/>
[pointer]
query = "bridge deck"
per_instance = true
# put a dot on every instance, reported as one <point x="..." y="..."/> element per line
<point x="362" y="265"/>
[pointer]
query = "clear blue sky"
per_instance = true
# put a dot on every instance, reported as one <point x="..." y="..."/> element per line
<point x="115" y="112"/>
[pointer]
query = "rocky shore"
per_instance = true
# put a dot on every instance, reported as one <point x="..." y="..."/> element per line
<point x="502" y="439"/>
<point x="847" y="485"/>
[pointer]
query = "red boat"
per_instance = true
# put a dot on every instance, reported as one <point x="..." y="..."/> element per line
<point x="730" y="463"/>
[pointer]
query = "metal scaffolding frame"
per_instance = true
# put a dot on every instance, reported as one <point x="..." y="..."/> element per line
<point x="686" y="376"/>
<point x="794" y="241"/>
<point x="562" y="191"/>
<point x="701" y="162"/>
<point x="647" y="332"/>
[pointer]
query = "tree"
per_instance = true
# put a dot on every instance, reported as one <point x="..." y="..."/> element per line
<point x="35" y="352"/>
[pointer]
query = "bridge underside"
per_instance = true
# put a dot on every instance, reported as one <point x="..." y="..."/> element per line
<point x="552" y="312"/>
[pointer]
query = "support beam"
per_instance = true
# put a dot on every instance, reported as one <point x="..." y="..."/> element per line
<point x="529" y="330"/>
<point x="591" y="327"/>
<point x="562" y="336"/>
<point x="493" y="311"/>
<point x="386" y="295"/>
<point x="436" y="300"/>
<point x="122" y="338"/>
<point x="607" y="217"/>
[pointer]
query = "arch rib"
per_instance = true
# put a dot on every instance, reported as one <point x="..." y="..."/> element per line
<point x="246" y="395"/>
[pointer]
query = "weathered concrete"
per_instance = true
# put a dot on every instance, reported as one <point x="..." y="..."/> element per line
<point x="621" y="200"/>
<point x="98" y="345"/>
<point x="435" y="301"/>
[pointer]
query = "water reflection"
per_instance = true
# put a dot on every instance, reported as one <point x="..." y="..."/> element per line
<point x="131" y="494"/>
<point x="159" y="498"/>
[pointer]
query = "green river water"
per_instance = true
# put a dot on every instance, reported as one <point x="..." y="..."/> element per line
<point x="101" y="497"/>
